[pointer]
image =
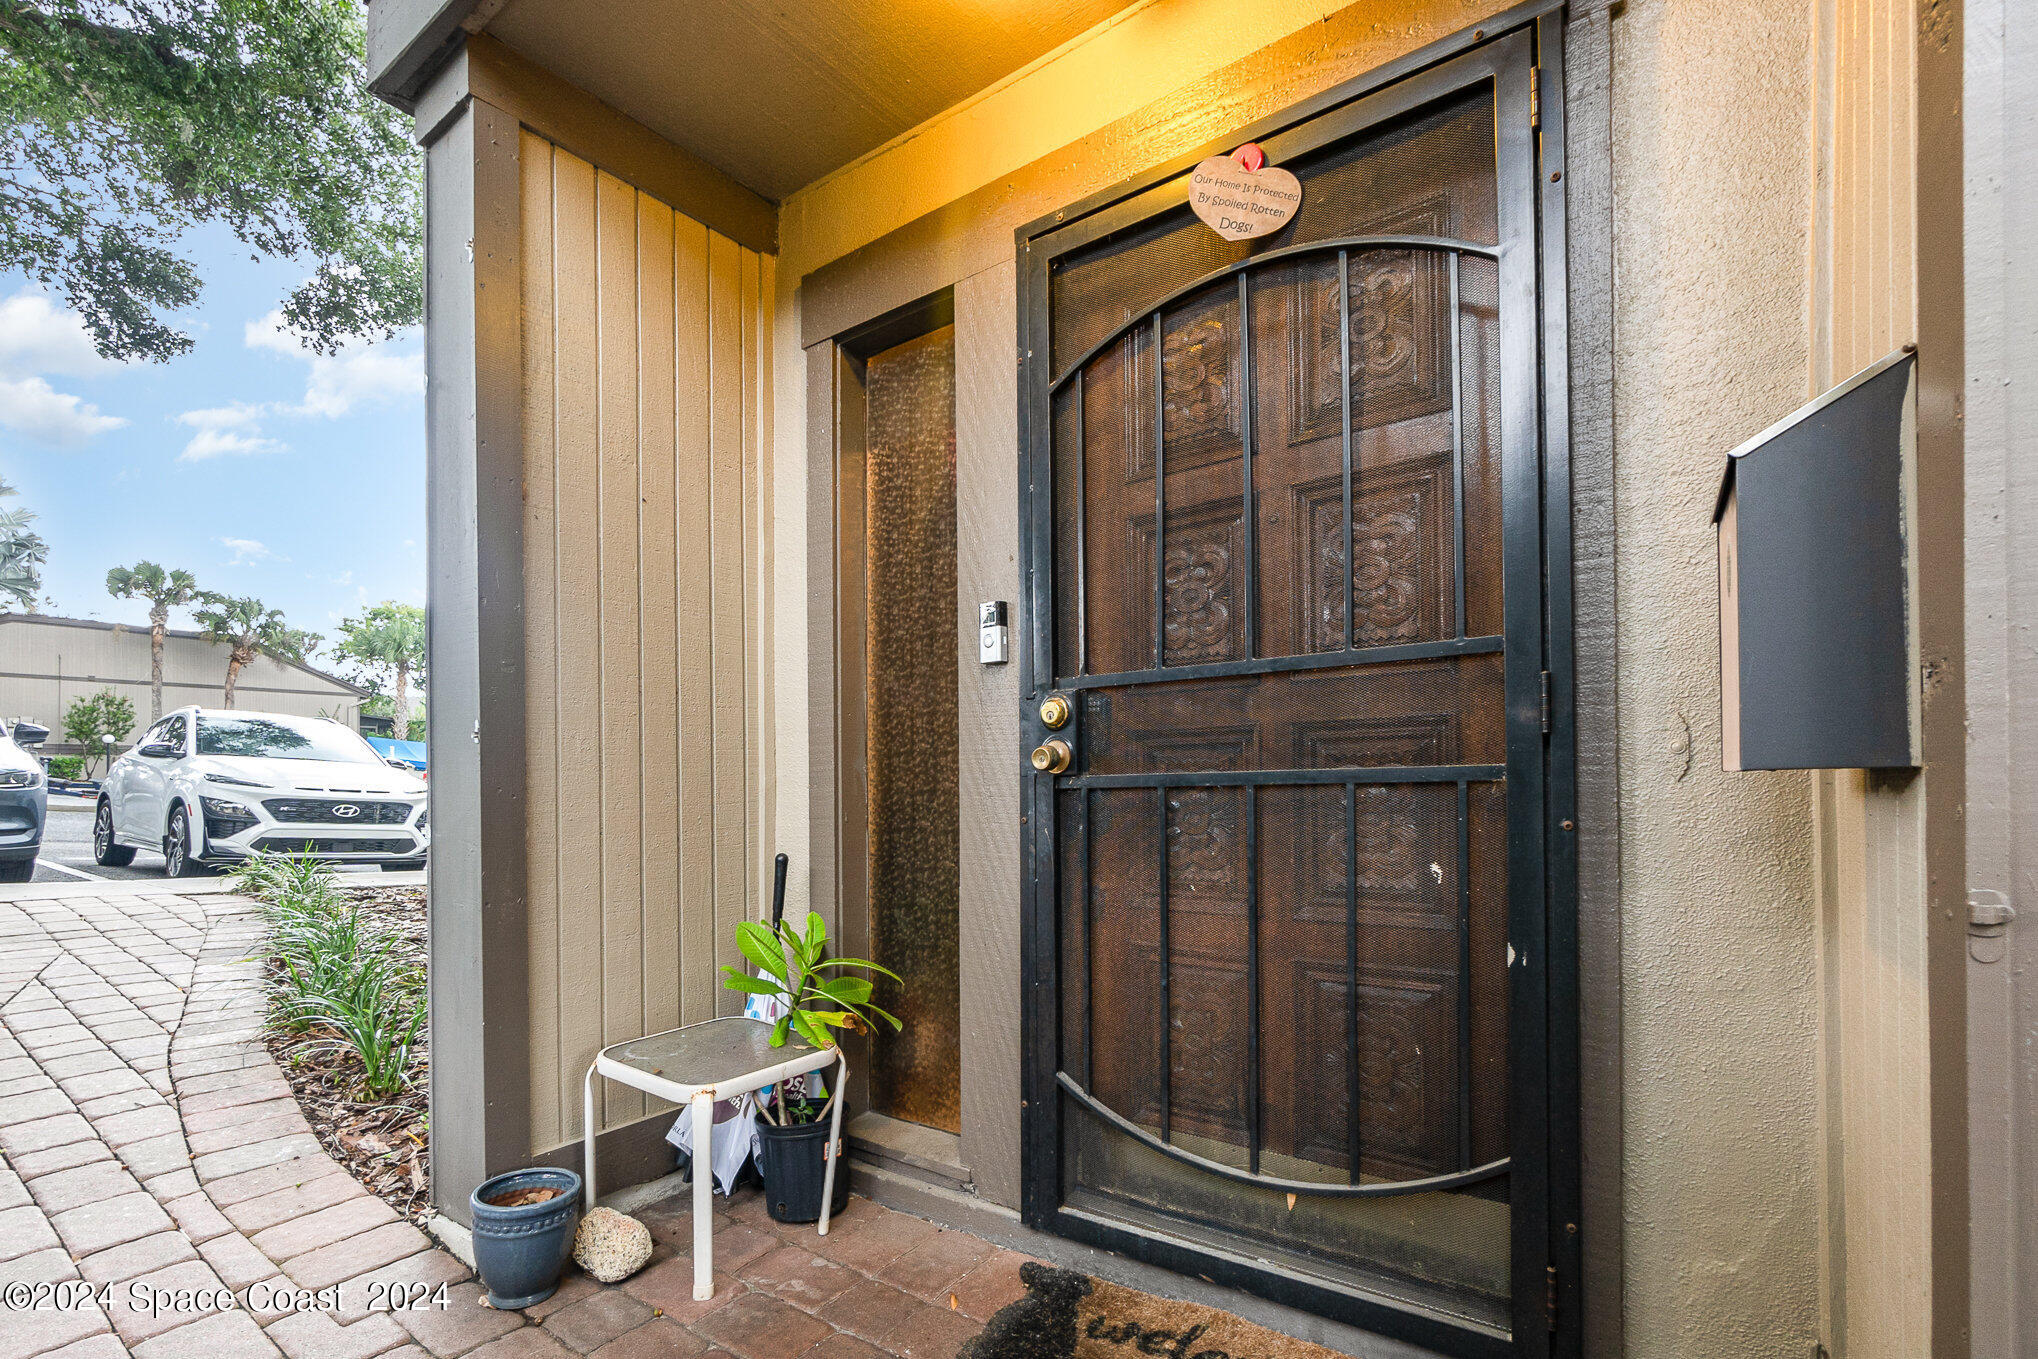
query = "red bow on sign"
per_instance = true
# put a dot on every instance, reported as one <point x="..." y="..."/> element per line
<point x="1250" y="156"/>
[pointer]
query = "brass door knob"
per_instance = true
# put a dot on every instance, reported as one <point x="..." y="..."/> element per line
<point x="1055" y="711"/>
<point x="1051" y="757"/>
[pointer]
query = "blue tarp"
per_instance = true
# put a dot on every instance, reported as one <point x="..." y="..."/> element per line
<point x="411" y="753"/>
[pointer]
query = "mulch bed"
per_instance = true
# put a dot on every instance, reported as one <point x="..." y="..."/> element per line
<point x="386" y="1143"/>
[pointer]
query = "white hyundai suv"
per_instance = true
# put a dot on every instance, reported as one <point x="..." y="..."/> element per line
<point x="209" y="786"/>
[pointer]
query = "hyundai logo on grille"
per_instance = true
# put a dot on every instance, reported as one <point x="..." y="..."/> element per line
<point x="346" y="811"/>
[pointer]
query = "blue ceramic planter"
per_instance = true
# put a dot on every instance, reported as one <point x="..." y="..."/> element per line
<point x="519" y="1252"/>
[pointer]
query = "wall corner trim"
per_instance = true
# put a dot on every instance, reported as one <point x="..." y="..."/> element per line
<point x="477" y="900"/>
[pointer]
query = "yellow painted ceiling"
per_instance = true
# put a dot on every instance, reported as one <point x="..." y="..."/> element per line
<point x="788" y="90"/>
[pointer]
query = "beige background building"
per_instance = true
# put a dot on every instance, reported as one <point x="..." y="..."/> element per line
<point x="47" y="664"/>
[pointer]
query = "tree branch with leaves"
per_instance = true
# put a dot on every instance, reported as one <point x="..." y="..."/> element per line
<point x="249" y="628"/>
<point x="130" y="122"/>
<point x="389" y="639"/>
<point x="96" y="722"/>
<point x="164" y="590"/>
<point x="22" y="554"/>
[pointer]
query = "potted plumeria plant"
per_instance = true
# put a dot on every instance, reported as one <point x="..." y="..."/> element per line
<point x="811" y="996"/>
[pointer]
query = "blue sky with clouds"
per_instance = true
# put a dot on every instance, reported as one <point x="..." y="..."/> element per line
<point x="258" y="467"/>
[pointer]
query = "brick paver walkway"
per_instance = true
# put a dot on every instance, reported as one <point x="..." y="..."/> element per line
<point x="162" y="1195"/>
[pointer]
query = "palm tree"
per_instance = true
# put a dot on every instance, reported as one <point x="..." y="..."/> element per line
<point x="249" y="628"/>
<point x="390" y="637"/>
<point x="164" y="590"/>
<point x="20" y="553"/>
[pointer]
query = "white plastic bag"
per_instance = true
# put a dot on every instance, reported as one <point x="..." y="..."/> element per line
<point x="732" y="1141"/>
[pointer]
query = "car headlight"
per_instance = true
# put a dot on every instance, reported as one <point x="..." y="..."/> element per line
<point x="424" y="817"/>
<point x="233" y="782"/>
<point x="223" y="816"/>
<point x="20" y="778"/>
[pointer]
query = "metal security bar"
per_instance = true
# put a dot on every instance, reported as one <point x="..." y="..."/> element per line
<point x="1082" y="534"/>
<point x="1153" y="320"/>
<point x="1350" y="781"/>
<point x="1245" y="453"/>
<point x="1344" y="401"/>
<point x="1160" y="498"/>
<point x="1348" y="653"/>
<point x="1386" y="1189"/>
<point x="1457" y="450"/>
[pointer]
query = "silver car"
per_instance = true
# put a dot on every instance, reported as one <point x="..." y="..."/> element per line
<point x="24" y="802"/>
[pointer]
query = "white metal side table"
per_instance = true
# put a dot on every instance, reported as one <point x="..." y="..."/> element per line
<point x="695" y="1065"/>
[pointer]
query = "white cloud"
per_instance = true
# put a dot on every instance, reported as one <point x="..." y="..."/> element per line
<point x="39" y="337"/>
<point x="234" y="430"/>
<point x="359" y="375"/>
<point x="223" y="443"/>
<point x="369" y="377"/>
<point x="267" y="332"/>
<point x="30" y="407"/>
<point x="239" y="415"/>
<point x="247" y="551"/>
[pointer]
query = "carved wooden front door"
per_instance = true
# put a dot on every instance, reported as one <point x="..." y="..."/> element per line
<point x="1286" y="851"/>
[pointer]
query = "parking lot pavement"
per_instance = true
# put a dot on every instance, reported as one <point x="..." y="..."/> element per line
<point x="67" y="849"/>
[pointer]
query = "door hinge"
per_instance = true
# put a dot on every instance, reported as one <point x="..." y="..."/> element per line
<point x="1535" y="96"/>
<point x="1550" y="1297"/>
<point x="1546" y="703"/>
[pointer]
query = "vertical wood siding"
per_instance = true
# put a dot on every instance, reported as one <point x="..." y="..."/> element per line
<point x="643" y="426"/>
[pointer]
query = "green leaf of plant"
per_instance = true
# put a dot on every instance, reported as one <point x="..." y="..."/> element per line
<point x="885" y="1015"/>
<point x="847" y="990"/>
<point x="862" y="964"/>
<point x="856" y="964"/>
<point x="809" y="1024"/>
<point x="756" y="944"/>
<point x="778" y="1030"/>
<point x="737" y="980"/>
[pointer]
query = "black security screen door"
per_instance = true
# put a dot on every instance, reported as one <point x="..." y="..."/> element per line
<point x="1289" y="881"/>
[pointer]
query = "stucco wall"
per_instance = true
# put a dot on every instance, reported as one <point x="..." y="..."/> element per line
<point x="1712" y="208"/>
<point x="1712" y="184"/>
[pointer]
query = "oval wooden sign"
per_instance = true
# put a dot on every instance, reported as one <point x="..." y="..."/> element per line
<point x="1239" y="204"/>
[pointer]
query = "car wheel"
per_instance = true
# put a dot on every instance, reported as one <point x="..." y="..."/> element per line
<point x="105" y="852"/>
<point x="177" y="860"/>
<point x="17" y="870"/>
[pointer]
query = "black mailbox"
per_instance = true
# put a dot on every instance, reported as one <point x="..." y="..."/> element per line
<point x="1818" y="583"/>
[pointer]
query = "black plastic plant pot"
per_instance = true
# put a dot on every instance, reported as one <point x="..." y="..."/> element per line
<point x="520" y="1251"/>
<point x="794" y="1163"/>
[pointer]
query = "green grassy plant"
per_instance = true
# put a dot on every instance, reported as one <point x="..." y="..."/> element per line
<point x="337" y="977"/>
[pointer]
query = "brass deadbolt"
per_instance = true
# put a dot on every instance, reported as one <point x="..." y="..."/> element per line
<point x="1051" y="757"/>
<point x="1055" y="711"/>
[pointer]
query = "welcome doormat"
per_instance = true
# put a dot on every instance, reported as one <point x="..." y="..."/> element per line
<point x="1066" y="1315"/>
